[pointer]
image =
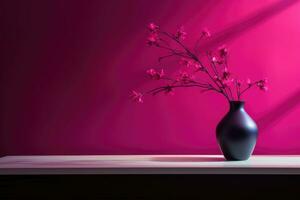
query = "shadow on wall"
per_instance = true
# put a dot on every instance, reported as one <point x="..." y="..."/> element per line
<point x="246" y="23"/>
<point x="279" y="111"/>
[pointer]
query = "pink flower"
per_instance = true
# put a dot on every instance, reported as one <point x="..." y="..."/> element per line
<point x="226" y="74"/>
<point x="249" y="82"/>
<point x="191" y="63"/>
<point x="262" y="84"/>
<point x="185" y="78"/>
<point x="198" y="67"/>
<point x="153" y="39"/>
<point x="217" y="78"/>
<point x="225" y="79"/>
<point x="153" y="27"/>
<point x="136" y="96"/>
<point x="223" y="51"/>
<point x="180" y="34"/>
<point x="227" y="82"/>
<point x="155" y="75"/>
<point x="216" y="60"/>
<point x="205" y="33"/>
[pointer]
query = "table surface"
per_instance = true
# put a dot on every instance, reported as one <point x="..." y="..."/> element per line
<point x="148" y="164"/>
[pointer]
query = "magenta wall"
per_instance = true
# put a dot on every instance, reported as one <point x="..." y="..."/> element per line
<point x="67" y="68"/>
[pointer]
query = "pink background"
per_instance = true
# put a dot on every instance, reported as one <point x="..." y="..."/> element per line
<point x="67" y="68"/>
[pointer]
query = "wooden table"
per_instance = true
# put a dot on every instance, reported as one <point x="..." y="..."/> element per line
<point x="148" y="164"/>
<point x="148" y="177"/>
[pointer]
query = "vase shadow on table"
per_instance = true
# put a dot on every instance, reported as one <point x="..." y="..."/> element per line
<point x="188" y="159"/>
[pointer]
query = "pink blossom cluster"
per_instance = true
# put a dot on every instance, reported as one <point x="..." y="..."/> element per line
<point x="262" y="84"/>
<point x="191" y="64"/>
<point x="155" y="75"/>
<point x="212" y="64"/>
<point x="136" y="96"/>
<point x="153" y="38"/>
<point x="180" y="33"/>
<point x="185" y="78"/>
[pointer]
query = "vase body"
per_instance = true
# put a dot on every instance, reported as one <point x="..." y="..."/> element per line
<point x="237" y="133"/>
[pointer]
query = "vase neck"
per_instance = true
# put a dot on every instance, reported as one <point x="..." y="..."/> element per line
<point x="236" y="105"/>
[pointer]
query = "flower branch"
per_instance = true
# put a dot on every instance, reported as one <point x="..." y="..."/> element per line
<point x="218" y="78"/>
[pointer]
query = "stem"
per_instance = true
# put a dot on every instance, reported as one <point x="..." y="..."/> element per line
<point x="176" y="86"/>
<point x="192" y="83"/>
<point x="230" y="92"/>
<point x="168" y="48"/>
<point x="163" y="88"/>
<point x="229" y="89"/>
<point x="170" y="55"/>
<point x="197" y="43"/>
<point x="237" y="90"/>
<point x="247" y="88"/>
<point x="213" y="66"/>
<point x="193" y="56"/>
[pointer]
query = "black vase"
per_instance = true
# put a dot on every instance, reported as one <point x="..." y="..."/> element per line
<point x="237" y="133"/>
